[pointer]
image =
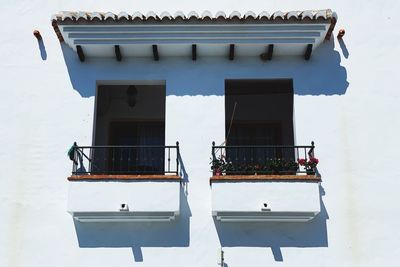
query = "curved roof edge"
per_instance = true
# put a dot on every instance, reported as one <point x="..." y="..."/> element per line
<point x="325" y="15"/>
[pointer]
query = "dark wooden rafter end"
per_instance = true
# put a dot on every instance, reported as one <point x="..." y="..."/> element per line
<point x="155" y="53"/>
<point x="118" y="54"/>
<point x="194" y="52"/>
<point x="81" y="55"/>
<point x="268" y="54"/>
<point x="270" y="51"/>
<point x="231" y="51"/>
<point x="307" y="55"/>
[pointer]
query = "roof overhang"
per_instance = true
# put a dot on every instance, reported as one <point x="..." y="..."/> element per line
<point x="123" y="35"/>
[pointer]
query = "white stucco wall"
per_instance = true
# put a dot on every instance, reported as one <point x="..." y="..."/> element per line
<point x="346" y="100"/>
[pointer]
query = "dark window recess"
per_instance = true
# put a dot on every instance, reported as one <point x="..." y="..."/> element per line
<point x="252" y="136"/>
<point x="255" y="134"/>
<point x="136" y="133"/>
<point x="259" y="116"/>
<point x="142" y="147"/>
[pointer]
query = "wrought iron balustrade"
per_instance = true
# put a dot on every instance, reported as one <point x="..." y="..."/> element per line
<point x="263" y="159"/>
<point x="141" y="159"/>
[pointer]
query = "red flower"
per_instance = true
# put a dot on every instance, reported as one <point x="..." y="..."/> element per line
<point x="314" y="161"/>
<point x="302" y="162"/>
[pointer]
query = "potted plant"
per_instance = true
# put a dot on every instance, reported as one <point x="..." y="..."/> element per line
<point x="257" y="168"/>
<point x="291" y="167"/>
<point x="219" y="166"/>
<point x="281" y="166"/>
<point x="216" y="166"/>
<point x="309" y="165"/>
<point x="276" y="166"/>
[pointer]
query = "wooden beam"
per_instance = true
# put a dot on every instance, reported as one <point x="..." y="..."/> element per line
<point x="268" y="54"/>
<point x="307" y="55"/>
<point x="118" y="53"/>
<point x="270" y="51"/>
<point x="194" y="52"/>
<point x="81" y="55"/>
<point x="155" y="53"/>
<point x="231" y="51"/>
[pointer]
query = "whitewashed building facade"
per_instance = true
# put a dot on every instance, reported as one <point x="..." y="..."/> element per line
<point x="199" y="138"/>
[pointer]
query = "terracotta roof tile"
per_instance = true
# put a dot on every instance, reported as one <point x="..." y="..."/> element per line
<point x="206" y="16"/>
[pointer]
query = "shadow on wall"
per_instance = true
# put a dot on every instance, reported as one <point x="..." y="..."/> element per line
<point x="42" y="49"/>
<point x="137" y="234"/>
<point x="343" y="46"/>
<point x="321" y="75"/>
<point x="276" y="235"/>
<point x="184" y="175"/>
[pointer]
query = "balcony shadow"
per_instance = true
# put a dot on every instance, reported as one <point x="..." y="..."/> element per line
<point x="137" y="235"/>
<point x="184" y="175"/>
<point x="321" y="75"/>
<point x="276" y="235"/>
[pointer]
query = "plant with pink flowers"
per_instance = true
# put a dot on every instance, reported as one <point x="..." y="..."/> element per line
<point x="309" y="165"/>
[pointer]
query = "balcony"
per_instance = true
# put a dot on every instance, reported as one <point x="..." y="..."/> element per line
<point x="124" y="183"/>
<point x="264" y="183"/>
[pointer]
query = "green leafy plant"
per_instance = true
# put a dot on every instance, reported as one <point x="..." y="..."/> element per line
<point x="282" y="166"/>
<point x="219" y="166"/>
<point x="276" y="166"/>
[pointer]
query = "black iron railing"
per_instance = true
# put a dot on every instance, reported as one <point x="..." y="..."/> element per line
<point x="263" y="159"/>
<point x="142" y="159"/>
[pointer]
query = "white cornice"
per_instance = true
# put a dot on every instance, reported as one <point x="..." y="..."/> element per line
<point x="250" y="39"/>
